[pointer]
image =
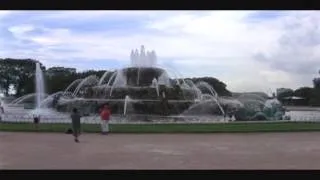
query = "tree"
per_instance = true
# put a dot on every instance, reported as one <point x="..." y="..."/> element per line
<point x="316" y="83"/>
<point x="304" y="92"/>
<point x="60" y="71"/>
<point x="18" y="73"/>
<point x="6" y="76"/>
<point x="283" y="94"/>
<point x="315" y="100"/>
<point x="219" y="86"/>
<point x="25" y="71"/>
<point x="59" y="78"/>
<point x="91" y="72"/>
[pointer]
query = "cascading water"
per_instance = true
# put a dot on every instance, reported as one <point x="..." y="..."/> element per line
<point x="90" y="80"/>
<point x="208" y="87"/>
<point x="125" y="106"/>
<point x="207" y="97"/>
<point x="2" y="107"/>
<point x="112" y="78"/>
<point x="155" y="85"/>
<point x="45" y="102"/>
<point x="39" y="86"/>
<point x="138" y="76"/>
<point x="77" y="81"/>
<point x="142" y="59"/>
<point x="25" y="97"/>
<point x="101" y="81"/>
<point x="164" y="79"/>
<point x="120" y="81"/>
<point x="196" y="90"/>
<point x="173" y="72"/>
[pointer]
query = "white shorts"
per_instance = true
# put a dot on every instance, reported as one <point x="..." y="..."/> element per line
<point x="104" y="126"/>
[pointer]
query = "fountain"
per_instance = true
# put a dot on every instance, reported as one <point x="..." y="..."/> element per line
<point x="153" y="92"/>
<point x="73" y="84"/>
<point x="39" y="86"/>
<point x="1" y="108"/>
<point x="28" y="97"/>
<point x="34" y="99"/>
<point x="155" y="85"/>
<point x="150" y="88"/>
<point x="147" y="90"/>
<point x="255" y="107"/>
<point x="126" y="105"/>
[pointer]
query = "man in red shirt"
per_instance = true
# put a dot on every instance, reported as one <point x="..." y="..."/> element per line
<point x="105" y="117"/>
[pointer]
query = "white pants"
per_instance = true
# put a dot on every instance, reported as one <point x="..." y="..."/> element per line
<point x="104" y="126"/>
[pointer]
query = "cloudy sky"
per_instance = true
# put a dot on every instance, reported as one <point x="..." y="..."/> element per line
<point x="248" y="50"/>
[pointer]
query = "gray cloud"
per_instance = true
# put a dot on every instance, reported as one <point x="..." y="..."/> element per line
<point x="296" y="50"/>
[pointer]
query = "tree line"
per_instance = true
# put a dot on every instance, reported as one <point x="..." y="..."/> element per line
<point x="19" y="74"/>
<point x="310" y="95"/>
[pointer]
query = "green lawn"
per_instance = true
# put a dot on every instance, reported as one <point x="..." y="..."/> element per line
<point x="172" y="128"/>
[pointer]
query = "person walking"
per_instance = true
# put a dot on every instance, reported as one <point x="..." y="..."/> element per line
<point x="36" y="121"/>
<point x="76" y="124"/>
<point x="105" y="117"/>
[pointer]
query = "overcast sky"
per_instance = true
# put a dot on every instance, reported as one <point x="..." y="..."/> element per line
<point x="248" y="50"/>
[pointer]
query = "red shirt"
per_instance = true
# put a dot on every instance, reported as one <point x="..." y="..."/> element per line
<point x="105" y="114"/>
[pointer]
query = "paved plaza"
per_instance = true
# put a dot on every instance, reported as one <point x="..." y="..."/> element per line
<point x="160" y="151"/>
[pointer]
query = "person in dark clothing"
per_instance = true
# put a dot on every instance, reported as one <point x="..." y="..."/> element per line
<point x="36" y="120"/>
<point x="75" y="117"/>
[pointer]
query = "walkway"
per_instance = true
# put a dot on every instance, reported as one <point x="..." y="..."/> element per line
<point x="160" y="151"/>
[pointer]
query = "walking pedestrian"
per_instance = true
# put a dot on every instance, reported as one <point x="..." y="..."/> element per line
<point x="76" y="124"/>
<point x="105" y="114"/>
<point x="36" y="121"/>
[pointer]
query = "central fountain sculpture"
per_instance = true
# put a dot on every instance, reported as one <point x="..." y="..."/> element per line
<point x="144" y="86"/>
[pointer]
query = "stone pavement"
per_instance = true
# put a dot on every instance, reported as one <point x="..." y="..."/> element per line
<point x="160" y="151"/>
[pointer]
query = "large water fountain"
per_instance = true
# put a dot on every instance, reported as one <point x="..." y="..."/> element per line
<point x="146" y="89"/>
<point x="143" y="86"/>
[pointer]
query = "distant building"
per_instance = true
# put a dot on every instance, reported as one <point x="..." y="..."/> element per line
<point x="294" y="101"/>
